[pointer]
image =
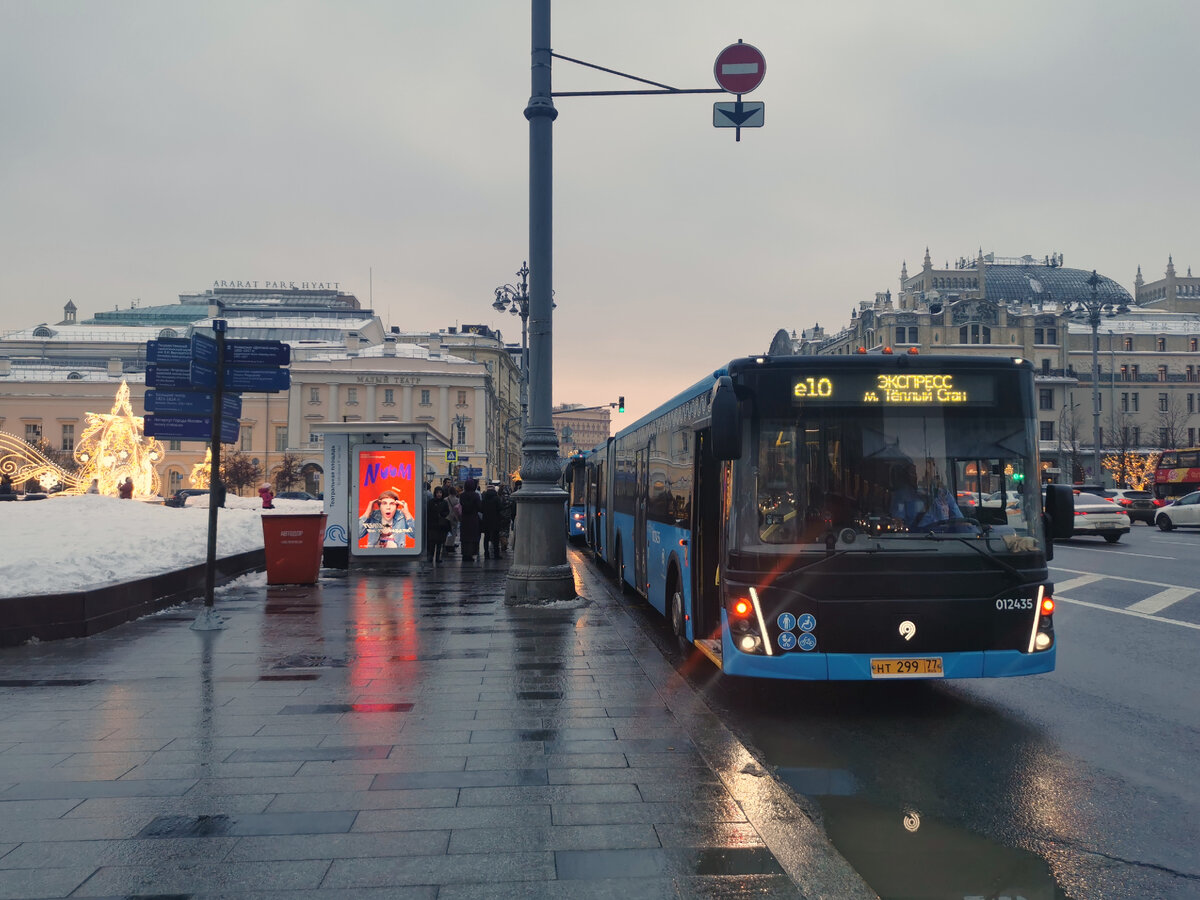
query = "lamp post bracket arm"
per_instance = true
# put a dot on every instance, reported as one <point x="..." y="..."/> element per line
<point x="580" y="62"/>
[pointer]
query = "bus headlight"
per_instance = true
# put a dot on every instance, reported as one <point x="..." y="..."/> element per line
<point x="749" y="643"/>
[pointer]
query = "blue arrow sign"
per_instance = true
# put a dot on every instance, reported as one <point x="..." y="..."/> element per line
<point x="189" y="428"/>
<point x="192" y="403"/>
<point x="193" y="376"/>
<point x="204" y="349"/>
<point x="257" y="381"/>
<point x="169" y="350"/>
<point x="257" y="353"/>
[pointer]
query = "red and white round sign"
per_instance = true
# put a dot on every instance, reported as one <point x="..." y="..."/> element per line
<point x="740" y="68"/>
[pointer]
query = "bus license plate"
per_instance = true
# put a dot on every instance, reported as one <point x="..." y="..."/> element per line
<point x="921" y="667"/>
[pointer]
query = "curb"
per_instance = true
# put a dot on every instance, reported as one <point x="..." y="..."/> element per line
<point x="49" y="617"/>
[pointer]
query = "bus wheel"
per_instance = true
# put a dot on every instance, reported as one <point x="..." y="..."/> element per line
<point x="678" y="622"/>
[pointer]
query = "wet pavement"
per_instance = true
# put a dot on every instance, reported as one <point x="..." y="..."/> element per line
<point x="386" y="733"/>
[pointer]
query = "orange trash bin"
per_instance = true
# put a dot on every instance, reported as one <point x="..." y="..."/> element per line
<point x="294" y="544"/>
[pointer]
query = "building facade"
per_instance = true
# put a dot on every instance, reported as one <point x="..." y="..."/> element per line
<point x="580" y="428"/>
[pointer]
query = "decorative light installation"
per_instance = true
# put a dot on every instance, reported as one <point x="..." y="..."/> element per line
<point x="202" y="471"/>
<point x="113" y="447"/>
<point x="21" y="462"/>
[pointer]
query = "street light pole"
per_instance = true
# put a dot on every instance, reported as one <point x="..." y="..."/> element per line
<point x="1093" y="305"/>
<point x="516" y="300"/>
<point x="539" y="572"/>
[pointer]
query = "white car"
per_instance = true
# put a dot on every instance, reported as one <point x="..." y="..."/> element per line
<point x="1096" y="515"/>
<point x="1185" y="512"/>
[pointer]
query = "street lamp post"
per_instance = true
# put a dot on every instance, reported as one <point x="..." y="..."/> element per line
<point x="1093" y="305"/>
<point x="516" y="300"/>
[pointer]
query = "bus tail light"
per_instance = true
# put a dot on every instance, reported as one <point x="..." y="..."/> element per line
<point x="1042" y="636"/>
<point x="748" y="630"/>
<point x="742" y="608"/>
<point x="1047" y="606"/>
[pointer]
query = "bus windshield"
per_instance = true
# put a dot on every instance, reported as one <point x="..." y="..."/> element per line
<point x="830" y="475"/>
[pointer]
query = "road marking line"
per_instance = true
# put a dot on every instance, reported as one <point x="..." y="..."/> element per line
<point x="1076" y="583"/>
<point x="1101" y="549"/>
<point x="1160" y="601"/>
<point x="1114" y="577"/>
<point x="1127" y="612"/>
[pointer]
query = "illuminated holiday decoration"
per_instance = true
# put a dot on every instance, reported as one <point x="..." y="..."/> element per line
<point x="21" y="462"/>
<point x="202" y="471"/>
<point x="1131" y="469"/>
<point x="113" y="447"/>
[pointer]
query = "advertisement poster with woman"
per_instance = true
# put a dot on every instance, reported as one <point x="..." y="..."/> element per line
<point x="387" y="499"/>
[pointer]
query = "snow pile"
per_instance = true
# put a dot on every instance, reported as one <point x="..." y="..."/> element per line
<point x="70" y="543"/>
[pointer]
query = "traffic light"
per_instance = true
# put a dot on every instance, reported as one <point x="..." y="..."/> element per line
<point x="620" y="404"/>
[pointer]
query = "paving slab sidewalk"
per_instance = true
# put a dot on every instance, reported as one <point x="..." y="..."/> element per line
<point x="386" y="733"/>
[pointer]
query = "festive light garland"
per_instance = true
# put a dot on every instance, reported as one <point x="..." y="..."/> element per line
<point x="113" y="447"/>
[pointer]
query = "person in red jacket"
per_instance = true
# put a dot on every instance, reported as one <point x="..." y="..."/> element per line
<point x="267" y="495"/>
<point x="125" y="490"/>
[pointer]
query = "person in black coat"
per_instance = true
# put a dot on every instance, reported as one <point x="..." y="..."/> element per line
<point x="492" y="516"/>
<point x="468" y="533"/>
<point x="437" y="525"/>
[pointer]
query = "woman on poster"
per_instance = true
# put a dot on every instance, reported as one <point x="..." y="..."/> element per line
<point x="387" y="523"/>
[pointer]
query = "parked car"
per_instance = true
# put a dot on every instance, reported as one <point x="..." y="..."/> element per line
<point x="1184" y="512"/>
<point x="295" y="495"/>
<point x="179" y="498"/>
<point x="1138" y="505"/>
<point x="1096" y="515"/>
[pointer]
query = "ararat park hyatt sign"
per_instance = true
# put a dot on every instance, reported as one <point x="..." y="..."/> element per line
<point x="278" y="285"/>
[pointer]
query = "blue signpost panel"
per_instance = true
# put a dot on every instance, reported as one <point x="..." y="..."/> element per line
<point x="257" y="353"/>
<point x="257" y="381"/>
<point x="192" y="403"/>
<point x="189" y="428"/>
<point x="204" y="349"/>
<point x="190" y="377"/>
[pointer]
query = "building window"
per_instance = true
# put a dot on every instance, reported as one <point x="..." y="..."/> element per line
<point x="425" y="398"/>
<point x="462" y="431"/>
<point x="1191" y="437"/>
<point x="1135" y="436"/>
<point x="1125" y="403"/>
<point x="315" y="437"/>
<point x="1162" y="373"/>
<point x="901" y="333"/>
<point x="1134" y="401"/>
<point x="1047" y="432"/>
<point x="247" y="437"/>
<point x="1133" y="371"/>
<point x="1045" y="367"/>
<point x="389" y="396"/>
<point x="1162" y="402"/>
<point x="1191" y="373"/>
<point x="1191" y="405"/>
<point x="314" y="395"/>
<point x="1124" y="373"/>
<point x="1051" y="335"/>
<point x="33" y="432"/>
<point x="1128" y="343"/>
<point x="462" y="398"/>
<point x="174" y="481"/>
<point x="1045" y="398"/>
<point x="281" y="438"/>
<point x="352" y="396"/>
<point x="174" y="445"/>
<point x="1039" y="335"/>
<point x="68" y="437"/>
<point x="1161" y="344"/>
<point x="1162" y="437"/>
<point x="1192" y="344"/>
<point x="974" y="334"/>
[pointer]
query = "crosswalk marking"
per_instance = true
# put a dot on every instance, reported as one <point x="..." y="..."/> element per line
<point x="1161" y="600"/>
<point x="1127" y="612"/>
<point x="1064" y="586"/>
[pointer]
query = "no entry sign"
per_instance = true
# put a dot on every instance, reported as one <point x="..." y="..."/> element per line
<point x="740" y="68"/>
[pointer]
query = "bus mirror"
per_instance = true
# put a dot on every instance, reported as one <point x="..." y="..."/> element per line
<point x="726" y="421"/>
<point x="1060" y="511"/>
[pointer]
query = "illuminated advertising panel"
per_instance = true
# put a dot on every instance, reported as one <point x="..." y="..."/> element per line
<point x="389" y="509"/>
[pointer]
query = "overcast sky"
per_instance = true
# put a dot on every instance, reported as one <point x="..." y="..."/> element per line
<point x="152" y="148"/>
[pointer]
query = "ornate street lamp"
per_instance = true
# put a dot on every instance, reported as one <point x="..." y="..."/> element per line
<point x="516" y="301"/>
<point x="1092" y="306"/>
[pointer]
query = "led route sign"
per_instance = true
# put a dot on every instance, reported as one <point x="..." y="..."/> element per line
<point x="895" y="389"/>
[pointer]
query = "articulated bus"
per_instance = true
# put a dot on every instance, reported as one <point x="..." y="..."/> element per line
<point x="574" y="482"/>
<point x="840" y="517"/>
<point x="1178" y="473"/>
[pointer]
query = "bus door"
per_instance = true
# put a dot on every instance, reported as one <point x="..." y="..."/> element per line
<point x="639" y="520"/>
<point x="593" y="501"/>
<point x="705" y="541"/>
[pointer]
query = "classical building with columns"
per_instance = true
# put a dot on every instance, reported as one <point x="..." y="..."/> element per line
<point x="345" y="367"/>
<point x="1148" y="361"/>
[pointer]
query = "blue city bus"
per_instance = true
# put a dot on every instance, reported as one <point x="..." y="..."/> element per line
<point x="840" y="517"/>
<point x="574" y="482"/>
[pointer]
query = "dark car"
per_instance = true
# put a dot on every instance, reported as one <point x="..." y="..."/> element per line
<point x="1138" y="505"/>
<point x="295" y="495"/>
<point x="179" y="498"/>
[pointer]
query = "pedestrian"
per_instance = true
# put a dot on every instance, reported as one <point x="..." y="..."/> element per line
<point x="94" y="487"/>
<point x="452" y="500"/>
<point x="469" y="526"/>
<point x="264" y="491"/>
<point x="437" y="520"/>
<point x="489" y="515"/>
<point x="125" y="491"/>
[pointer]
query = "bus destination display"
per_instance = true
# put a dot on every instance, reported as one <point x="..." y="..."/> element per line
<point x="895" y="389"/>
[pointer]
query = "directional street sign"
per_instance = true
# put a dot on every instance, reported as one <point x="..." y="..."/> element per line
<point x="181" y="377"/>
<point x="738" y="115"/>
<point x="257" y="353"/>
<point x="189" y="428"/>
<point x="740" y="68"/>
<point x="182" y="350"/>
<point x="192" y="403"/>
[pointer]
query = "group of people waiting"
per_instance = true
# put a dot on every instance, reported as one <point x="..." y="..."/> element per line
<point x="459" y="518"/>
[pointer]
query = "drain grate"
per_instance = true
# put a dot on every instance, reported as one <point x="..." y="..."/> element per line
<point x="187" y="826"/>
<point x="299" y="676"/>
<point x="46" y="682"/>
<point x="309" y="661"/>
<point x="317" y="709"/>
